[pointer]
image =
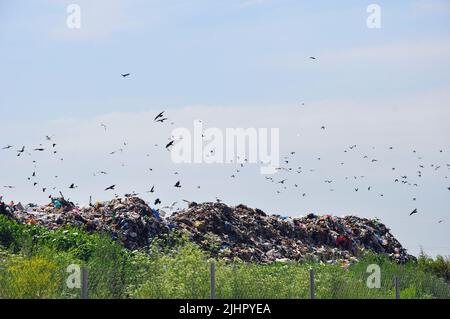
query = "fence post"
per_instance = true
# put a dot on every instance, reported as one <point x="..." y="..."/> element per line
<point x="84" y="283"/>
<point x="212" y="271"/>
<point x="397" y="288"/>
<point x="311" y="284"/>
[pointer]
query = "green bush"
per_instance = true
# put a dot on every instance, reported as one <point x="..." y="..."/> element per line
<point x="35" y="277"/>
<point x="34" y="260"/>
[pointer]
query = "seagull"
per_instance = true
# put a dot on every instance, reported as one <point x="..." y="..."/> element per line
<point x="160" y="115"/>
<point x="125" y="75"/>
<point x="161" y="120"/>
<point x="21" y="151"/>
<point x="110" y="188"/>
<point x="413" y="212"/>
<point x="169" y="144"/>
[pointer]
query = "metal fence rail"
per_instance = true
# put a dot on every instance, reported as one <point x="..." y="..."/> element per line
<point x="215" y="281"/>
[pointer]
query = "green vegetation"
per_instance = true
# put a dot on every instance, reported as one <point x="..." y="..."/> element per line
<point x="33" y="263"/>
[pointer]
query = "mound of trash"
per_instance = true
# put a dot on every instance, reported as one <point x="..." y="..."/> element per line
<point x="129" y="220"/>
<point x="223" y="231"/>
<point x="252" y="235"/>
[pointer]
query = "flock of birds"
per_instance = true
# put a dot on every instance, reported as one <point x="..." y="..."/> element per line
<point x="159" y="118"/>
<point x="287" y="167"/>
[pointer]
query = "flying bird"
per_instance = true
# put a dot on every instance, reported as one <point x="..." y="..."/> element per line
<point x="7" y="147"/>
<point x="161" y="120"/>
<point x="169" y="144"/>
<point x="125" y="75"/>
<point x="178" y="184"/>
<point x="414" y="212"/>
<point x="157" y="201"/>
<point x="160" y="115"/>
<point x="110" y="188"/>
<point x="21" y="151"/>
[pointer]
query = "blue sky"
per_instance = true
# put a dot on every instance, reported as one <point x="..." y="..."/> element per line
<point x="233" y="63"/>
<point x="207" y="52"/>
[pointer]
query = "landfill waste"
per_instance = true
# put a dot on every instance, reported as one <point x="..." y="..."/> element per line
<point x="252" y="235"/>
<point x="129" y="220"/>
<point x="223" y="231"/>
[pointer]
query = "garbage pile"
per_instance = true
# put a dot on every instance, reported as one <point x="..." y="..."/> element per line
<point x="251" y="235"/>
<point x="129" y="220"/>
<point x="223" y="231"/>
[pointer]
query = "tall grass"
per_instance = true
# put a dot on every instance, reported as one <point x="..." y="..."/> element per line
<point x="33" y="263"/>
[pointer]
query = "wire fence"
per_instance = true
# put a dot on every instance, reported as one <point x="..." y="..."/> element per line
<point x="37" y="278"/>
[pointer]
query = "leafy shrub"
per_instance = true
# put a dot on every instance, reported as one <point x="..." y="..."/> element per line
<point x="35" y="261"/>
<point x="36" y="277"/>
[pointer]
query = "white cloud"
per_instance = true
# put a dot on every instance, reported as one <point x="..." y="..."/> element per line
<point x="431" y="6"/>
<point x="414" y="122"/>
<point x="248" y="3"/>
<point x="429" y="49"/>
